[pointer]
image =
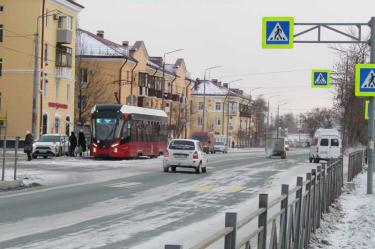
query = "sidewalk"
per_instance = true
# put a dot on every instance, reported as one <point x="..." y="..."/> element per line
<point x="351" y="222"/>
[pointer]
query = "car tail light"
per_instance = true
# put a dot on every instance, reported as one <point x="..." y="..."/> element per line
<point x="166" y="154"/>
<point x="195" y="155"/>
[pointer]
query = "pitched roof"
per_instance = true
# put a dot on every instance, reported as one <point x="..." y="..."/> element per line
<point x="75" y="3"/>
<point x="213" y="89"/>
<point x="93" y="45"/>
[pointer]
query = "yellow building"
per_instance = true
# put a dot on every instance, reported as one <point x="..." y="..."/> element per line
<point x="126" y="74"/>
<point x="226" y="112"/>
<point x="37" y="70"/>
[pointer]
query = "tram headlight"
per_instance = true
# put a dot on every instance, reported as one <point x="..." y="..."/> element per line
<point x="114" y="145"/>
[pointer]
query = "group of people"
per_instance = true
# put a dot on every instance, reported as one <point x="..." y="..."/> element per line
<point x="73" y="142"/>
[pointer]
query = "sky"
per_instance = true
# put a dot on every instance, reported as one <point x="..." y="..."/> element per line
<point x="227" y="33"/>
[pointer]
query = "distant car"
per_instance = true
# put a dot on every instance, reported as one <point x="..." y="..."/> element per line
<point x="207" y="140"/>
<point x="185" y="153"/>
<point x="221" y="147"/>
<point x="50" y="145"/>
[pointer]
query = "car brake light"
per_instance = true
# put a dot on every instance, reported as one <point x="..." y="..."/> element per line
<point x="166" y="154"/>
<point x="195" y="155"/>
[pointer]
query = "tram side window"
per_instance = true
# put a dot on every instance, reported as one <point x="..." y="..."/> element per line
<point x="126" y="133"/>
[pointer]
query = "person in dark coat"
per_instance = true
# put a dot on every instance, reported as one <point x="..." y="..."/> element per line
<point x="81" y="142"/>
<point x="28" y="148"/>
<point x="72" y="143"/>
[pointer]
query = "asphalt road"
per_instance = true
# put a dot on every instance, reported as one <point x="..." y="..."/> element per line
<point x="127" y="211"/>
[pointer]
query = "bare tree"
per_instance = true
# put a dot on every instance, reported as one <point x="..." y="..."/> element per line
<point x="318" y="118"/>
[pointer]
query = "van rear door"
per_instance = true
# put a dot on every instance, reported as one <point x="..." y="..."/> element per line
<point x="324" y="151"/>
<point x="335" y="147"/>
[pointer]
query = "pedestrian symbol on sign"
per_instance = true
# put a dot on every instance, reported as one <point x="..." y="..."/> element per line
<point x="277" y="34"/>
<point x="365" y="80"/>
<point x="320" y="79"/>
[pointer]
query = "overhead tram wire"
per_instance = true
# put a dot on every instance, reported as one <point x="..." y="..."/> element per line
<point x="264" y="73"/>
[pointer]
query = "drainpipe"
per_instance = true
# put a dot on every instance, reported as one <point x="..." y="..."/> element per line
<point x="186" y="94"/>
<point x="132" y="80"/>
<point x="42" y="70"/>
<point x="170" y="108"/>
<point x="120" y="80"/>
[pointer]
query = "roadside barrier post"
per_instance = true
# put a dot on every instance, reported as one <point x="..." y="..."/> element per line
<point x="230" y="239"/>
<point x="313" y="206"/>
<point x="284" y="223"/>
<point x="16" y="157"/>
<point x="319" y="204"/>
<point x="308" y="208"/>
<point x="262" y="221"/>
<point x="298" y="213"/>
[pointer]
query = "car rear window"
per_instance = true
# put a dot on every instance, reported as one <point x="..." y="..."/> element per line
<point x="334" y="142"/>
<point x="324" y="142"/>
<point x="181" y="145"/>
<point x="219" y="143"/>
<point x="200" y="138"/>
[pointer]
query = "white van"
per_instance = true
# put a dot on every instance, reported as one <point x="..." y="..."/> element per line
<point x="326" y="145"/>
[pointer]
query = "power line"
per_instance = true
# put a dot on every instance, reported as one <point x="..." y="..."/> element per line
<point x="262" y="73"/>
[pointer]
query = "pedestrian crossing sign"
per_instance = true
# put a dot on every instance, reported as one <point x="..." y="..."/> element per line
<point x="277" y="32"/>
<point x="320" y="78"/>
<point x="365" y="80"/>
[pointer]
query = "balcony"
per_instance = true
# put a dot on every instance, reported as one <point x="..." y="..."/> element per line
<point x="64" y="36"/>
<point x="63" y="73"/>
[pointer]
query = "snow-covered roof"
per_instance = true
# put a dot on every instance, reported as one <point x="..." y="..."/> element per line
<point x="211" y="89"/>
<point x="94" y="45"/>
<point x="140" y="110"/>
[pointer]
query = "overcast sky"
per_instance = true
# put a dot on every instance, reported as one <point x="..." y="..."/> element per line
<point x="228" y="33"/>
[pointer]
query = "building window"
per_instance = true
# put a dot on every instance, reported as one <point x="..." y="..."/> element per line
<point x="82" y="102"/>
<point x="67" y="125"/>
<point x="200" y="120"/>
<point x="63" y="56"/>
<point x="158" y="82"/>
<point x="57" y="89"/>
<point x="65" y="22"/>
<point x="83" y="77"/>
<point x="45" y="88"/>
<point x="142" y="79"/>
<point x="45" y="124"/>
<point x="57" y="125"/>
<point x="1" y="32"/>
<point x="127" y="76"/>
<point x="46" y="17"/>
<point x="1" y="8"/>
<point x="68" y="92"/>
<point x="217" y="121"/>
<point x="218" y="106"/>
<point x="1" y="67"/>
<point x="200" y="106"/>
<point x="45" y="52"/>
<point x="151" y="82"/>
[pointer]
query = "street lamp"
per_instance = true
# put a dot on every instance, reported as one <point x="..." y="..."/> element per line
<point x="280" y="103"/>
<point x="268" y="114"/>
<point x="204" y="93"/>
<point x="163" y="85"/>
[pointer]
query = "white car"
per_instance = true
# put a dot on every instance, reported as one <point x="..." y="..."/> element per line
<point x="220" y="147"/>
<point x="51" y="145"/>
<point x="185" y="153"/>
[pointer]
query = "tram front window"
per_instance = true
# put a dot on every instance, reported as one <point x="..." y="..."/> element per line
<point x="106" y="128"/>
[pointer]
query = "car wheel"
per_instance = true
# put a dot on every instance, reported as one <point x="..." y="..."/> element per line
<point x="45" y="157"/>
<point x="198" y="168"/>
<point x="60" y="152"/>
<point x="310" y="160"/>
<point x="173" y="169"/>
<point x="165" y="169"/>
<point x="316" y="160"/>
<point x="35" y="157"/>
<point x="204" y="170"/>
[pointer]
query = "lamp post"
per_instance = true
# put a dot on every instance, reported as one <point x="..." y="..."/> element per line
<point x="249" y="132"/>
<point x="268" y="114"/>
<point x="278" y="116"/>
<point x="204" y="94"/>
<point x="163" y="85"/>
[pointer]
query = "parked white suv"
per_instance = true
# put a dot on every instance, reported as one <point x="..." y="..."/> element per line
<point x="185" y="153"/>
<point x="51" y="145"/>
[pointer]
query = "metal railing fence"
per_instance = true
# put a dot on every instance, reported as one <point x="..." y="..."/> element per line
<point x="300" y="213"/>
<point x="5" y="157"/>
<point x="355" y="164"/>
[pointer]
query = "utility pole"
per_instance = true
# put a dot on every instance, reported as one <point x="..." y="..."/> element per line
<point x="35" y="83"/>
<point x="370" y="154"/>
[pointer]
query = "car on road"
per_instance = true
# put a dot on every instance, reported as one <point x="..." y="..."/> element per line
<point x="50" y="145"/>
<point x="185" y="153"/>
<point x="207" y="140"/>
<point x="220" y="147"/>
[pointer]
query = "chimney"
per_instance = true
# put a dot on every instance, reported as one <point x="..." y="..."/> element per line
<point x="225" y="85"/>
<point x="125" y="43"/>
<point x="100" y="33"/>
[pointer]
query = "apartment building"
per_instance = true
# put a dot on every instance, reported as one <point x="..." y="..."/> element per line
<point x="37" y="70"/>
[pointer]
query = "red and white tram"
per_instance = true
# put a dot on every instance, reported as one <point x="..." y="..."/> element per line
<point x="122" y="131"/>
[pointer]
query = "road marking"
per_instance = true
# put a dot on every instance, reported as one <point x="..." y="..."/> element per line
<point x="123" y="185"/>
<point x="234" y="189"/>
<point x="203" y="189"/>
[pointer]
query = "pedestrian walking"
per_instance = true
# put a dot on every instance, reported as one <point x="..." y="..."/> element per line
<point x="81" y="142"/>
<point x="72" y="143"/>
<point x="28" y="148"/>
<point x="233" y="143"/>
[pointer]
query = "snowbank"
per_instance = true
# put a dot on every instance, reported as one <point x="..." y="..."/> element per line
<point x="351" y="222"/>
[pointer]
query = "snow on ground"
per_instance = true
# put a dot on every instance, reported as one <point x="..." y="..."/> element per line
<point x="351" y="222"/>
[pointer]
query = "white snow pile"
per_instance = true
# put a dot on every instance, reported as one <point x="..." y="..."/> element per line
<point x="351" y="221"/>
